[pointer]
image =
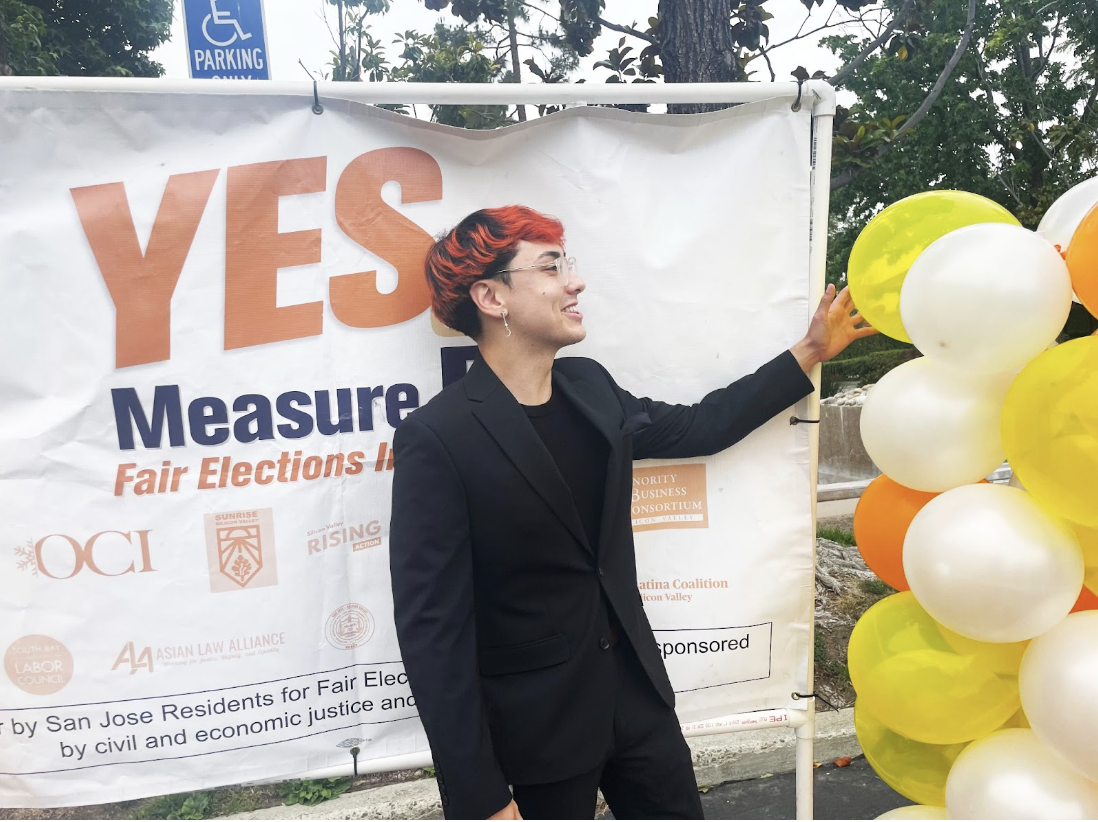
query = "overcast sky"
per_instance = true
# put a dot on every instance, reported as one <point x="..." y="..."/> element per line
<point x="296" y="31"/>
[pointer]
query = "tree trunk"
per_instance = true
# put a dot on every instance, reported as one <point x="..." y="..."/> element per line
<point x="516" y="72"/>
<point x="342" y="43"/>
<point x="696" y="46"/>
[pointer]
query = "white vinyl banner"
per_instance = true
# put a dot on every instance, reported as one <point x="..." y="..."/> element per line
<point x="214" y="317"/>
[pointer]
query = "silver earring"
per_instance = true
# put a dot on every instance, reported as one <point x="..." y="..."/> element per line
<point x="505" y="325"/>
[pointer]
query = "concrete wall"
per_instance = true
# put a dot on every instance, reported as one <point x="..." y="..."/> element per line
<point x="842" y="455"/>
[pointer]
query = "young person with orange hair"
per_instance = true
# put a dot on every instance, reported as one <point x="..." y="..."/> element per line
<point x="535" y="671"/>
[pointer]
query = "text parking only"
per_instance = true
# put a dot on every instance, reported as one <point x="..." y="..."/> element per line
<point x="226" y="39"/>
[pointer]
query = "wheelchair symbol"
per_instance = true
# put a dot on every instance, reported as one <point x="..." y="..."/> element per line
<point x="222" y="18"/>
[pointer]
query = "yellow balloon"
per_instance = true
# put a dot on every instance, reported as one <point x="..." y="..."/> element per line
<point x="912" y="769"/>
<point x="1050" y="429"/>
<point x="1019" y="720"/>
<point x="1003" y="658"/>
<point x="919" y="685"/>
<point x="1088" y="541"/>
<point x="889" y="244"/>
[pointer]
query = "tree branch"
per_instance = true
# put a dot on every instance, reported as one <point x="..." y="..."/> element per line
<point x="1044" y="57"/>
<point x="516" y="65"/>
<point x="1004" y="141"/>
<point x="848" y="176"/>
<point x="804" y="23"/>
<point x="1093" y="98"/>
<point x="769" y="65"/>
<point x="627" y="30"/>
<point x="538" y="8"/>
<point x="796" y="37"/>
<point x="801" y="33"/>
<point x="324" y="17"/>
<point x="1009" y="189"/>
<point x="943" y="78"/>
<point x="844" y="73"/>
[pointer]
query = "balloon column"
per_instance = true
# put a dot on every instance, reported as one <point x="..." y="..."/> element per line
<point x="978" y="682"/>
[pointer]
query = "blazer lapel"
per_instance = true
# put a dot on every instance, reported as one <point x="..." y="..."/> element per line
<point x="610" y="430"/>
<point x="500" y="413"/>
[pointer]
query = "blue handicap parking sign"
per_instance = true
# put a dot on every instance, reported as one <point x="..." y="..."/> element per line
<point x="226" y="39"/>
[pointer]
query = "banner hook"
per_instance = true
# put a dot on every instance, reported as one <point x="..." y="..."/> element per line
<point x="797" y="696"/>
<point x="800" y="88"/>
<point x="317" y="108"/>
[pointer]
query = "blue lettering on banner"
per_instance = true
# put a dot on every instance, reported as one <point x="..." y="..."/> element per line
<point x="456" y="360"/>
<point x="297" y="414"/>
<point x="226" y="39"/>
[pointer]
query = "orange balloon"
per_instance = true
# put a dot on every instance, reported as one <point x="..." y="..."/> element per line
<point x="1082" y="261"/>
<point x="1087" y="601"/>
<point x="881" y="520"/>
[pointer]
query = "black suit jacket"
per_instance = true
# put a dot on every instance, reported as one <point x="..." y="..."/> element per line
<point x="500" y="600"/>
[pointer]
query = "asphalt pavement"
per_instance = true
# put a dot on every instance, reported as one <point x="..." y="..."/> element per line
<point x="853" y="792"/>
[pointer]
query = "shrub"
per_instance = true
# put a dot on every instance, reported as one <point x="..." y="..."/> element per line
<point x="313" y="791"/>
<point x="176" y="806"/>
<point x="839" y="535"/>
<point x="863" y="370"/>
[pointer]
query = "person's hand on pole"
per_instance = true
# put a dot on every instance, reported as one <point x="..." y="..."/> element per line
<point x="832" y="329"/>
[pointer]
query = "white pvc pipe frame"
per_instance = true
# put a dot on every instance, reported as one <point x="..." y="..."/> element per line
<point x="818" y="96"/>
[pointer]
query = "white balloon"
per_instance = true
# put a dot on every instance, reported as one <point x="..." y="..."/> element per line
<point x="1063" y="216"/>
<point x="932" y="428"/>
<point x="1059" y="685"/>
<point x="916" y="812"/>
<point x="1010" y="774"/>
<point x="986" y="298"/>
<point x="989" y="563"/>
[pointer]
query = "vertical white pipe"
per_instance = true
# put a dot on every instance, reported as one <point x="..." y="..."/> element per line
<point x="823" y="118"/>
<point x="806" y="764"/>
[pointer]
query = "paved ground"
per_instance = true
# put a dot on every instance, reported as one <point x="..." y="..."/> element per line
<point x="853" y="792"/>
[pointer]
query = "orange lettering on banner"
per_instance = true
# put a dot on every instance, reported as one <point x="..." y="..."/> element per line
<point x="141" y="285"/>
<point x="255" y="250"/>
<point x="366" y="219"/>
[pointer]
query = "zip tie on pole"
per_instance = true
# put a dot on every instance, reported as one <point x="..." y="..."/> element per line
<point x="797" y="696"/>
<point x="317" y="108"/>
<point x="800" y="88"/>
<point x="798" y="421"/>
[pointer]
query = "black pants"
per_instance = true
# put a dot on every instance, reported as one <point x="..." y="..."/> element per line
<point x="648" y="773"/>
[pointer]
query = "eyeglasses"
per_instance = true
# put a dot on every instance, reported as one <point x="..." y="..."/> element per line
<point x="565" y="266"/>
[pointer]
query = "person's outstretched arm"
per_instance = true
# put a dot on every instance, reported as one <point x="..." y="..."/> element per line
<point x="727" y="415"/>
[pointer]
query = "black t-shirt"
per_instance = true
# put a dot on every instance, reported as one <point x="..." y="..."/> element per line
<point x="580" y="452"/>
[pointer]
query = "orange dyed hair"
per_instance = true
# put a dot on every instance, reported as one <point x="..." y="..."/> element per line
<point x="475" y="249"/>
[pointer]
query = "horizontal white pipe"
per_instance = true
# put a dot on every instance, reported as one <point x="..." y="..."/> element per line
<point x="402" y="762"/>
<point x="818" y="96"/>
<point x="753" y="721"/>
<point x="828" y="492"/>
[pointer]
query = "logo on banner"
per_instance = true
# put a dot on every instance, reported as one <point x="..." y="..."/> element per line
<point x="134" y="658"/>
<point x="669" y="496"/>
<point x="38" y="664"/>
<point x="105" y="554"/>
<point x="200" y="650"/>
<point x="226" y="39"/>
<point x="359" y="537"/>
<point x="240" y="549"/>
<point x="678" y="589"/>
<point x="349" y="627"/>
<point x="25" y="559"/>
